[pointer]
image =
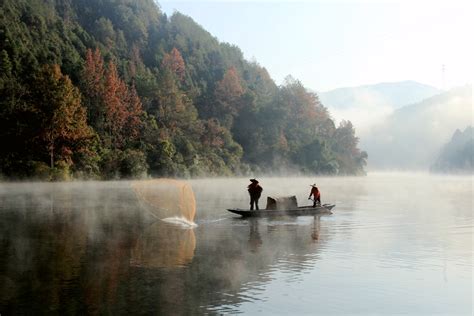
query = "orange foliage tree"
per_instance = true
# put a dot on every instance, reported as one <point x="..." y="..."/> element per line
<point x="175" y="63"/>
<point x="228" y="95"/>
<point x="115" y="108"/>
<point x="63" y="118"/>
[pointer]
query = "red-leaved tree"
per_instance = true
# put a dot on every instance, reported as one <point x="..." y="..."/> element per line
<point x="114" y="108"/>
<point x="174" y="62"/>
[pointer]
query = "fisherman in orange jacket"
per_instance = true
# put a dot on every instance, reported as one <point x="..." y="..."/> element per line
<point x="316" y="194"/>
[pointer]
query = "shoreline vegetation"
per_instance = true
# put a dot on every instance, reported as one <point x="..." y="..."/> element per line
<point x="118" y="90"/>
<point x="282" y="176"/>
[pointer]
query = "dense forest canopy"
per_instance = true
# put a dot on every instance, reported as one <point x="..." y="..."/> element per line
<point x="111" y="89"/>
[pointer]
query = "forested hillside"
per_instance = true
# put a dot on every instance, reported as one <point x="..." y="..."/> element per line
<point x="457" y="155"/>
<point x="111" y="89"/>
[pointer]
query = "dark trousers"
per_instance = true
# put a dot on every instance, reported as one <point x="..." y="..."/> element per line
<point x="317" y="202"/>
<point x="252" y="201"/>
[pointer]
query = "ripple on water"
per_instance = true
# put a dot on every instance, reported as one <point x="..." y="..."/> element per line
<point x="179" y="222"/>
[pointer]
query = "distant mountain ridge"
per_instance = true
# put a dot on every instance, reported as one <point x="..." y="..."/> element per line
<point x="393" y="94"/>
<point x="412" y="136"/>
<point x="365" y="106"/>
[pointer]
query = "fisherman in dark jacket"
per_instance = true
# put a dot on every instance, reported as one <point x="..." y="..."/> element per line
<point x="255" y="191"/>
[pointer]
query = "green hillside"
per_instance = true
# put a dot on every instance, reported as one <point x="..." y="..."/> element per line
<point x="116" y="89"/>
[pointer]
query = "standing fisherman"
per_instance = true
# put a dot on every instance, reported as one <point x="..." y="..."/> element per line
<point x="316" y="195"/>
<point x="255" y="191"/>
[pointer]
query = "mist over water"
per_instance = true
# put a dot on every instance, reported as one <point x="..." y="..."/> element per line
<point x="397" y="243"/>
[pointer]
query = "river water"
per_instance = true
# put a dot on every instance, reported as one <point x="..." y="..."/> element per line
<point x="395" y="244"/>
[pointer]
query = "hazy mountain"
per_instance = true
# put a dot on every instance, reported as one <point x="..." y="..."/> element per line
<point x="412" y="136"/>
<point x="393" y="94"/>
<point x="458" y="154"/>
<point x="365" y="105"/>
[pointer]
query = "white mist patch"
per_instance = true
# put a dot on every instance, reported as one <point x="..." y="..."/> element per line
<point x="180" y="222"/>
<point x="363" y="118"/>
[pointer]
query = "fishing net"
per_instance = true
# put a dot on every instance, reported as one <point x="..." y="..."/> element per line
<point x="166" y="198"/>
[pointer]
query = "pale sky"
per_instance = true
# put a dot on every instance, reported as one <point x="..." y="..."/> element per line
<point x="332" y="44"/>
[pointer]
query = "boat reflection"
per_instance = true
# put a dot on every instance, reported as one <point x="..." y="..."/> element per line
<point x="286" y="245"/>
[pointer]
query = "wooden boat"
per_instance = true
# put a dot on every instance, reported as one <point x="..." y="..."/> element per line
<point x="295" y="211"/>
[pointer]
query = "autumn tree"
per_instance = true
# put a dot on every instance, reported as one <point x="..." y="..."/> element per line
<point x="134" y="120"/>
<point x="228" y="95"/>
<point x="92" y="85"/>
<point x="115" y="97"/>
<point x="122" y="127"/>
<point x="93" y="72"/>
<point x="62" y="117"/>
<point x="174" y="62"/>
<point x="114" y="107"/>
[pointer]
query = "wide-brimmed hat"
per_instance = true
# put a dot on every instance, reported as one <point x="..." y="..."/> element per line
<point x="254" y="180"/>
<point x="313" y="185"/>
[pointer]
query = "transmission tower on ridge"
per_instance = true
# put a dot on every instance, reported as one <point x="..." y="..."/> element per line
<point x="443" y="77"/>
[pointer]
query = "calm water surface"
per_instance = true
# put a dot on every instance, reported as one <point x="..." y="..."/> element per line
<point x="396" y="244"/>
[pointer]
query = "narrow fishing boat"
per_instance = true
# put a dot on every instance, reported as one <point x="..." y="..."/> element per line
<point x="285" y="206"/>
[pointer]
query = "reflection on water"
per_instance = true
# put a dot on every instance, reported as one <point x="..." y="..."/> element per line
<point x="163" y="245"/>
<point x="255" y="241"/>
<point x="316" y="228"/>
<point x="396" y="244"/>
